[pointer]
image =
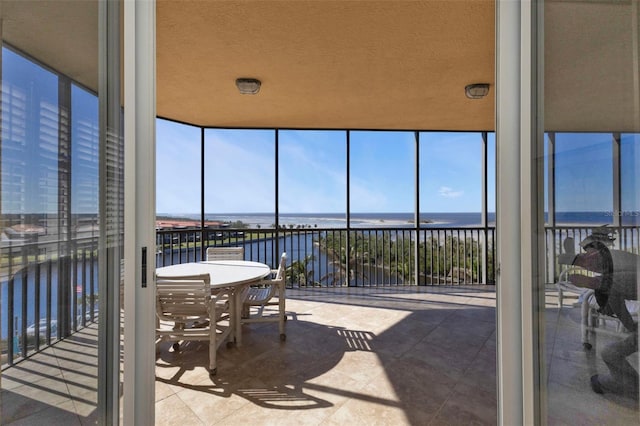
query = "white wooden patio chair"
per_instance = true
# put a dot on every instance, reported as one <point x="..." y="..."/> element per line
<point x="268" y="292"/>
<point x="225" y="253"/>
<point x="193" y="313"/>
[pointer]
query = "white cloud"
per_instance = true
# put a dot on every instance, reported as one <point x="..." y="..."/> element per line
<point x="447" y="192"/>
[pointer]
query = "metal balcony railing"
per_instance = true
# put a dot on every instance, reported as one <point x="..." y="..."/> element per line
<point x="355" y="257"/>
<point x="627" y="239"/>
<point x="47" y="295"/>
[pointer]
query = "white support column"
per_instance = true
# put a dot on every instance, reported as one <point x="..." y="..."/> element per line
<point x="551" y="178"/>
<point x="508" y="296"/>
<point x="139" y="309"/>
<point x="484" y="215"/>
<point x="617" y="182"/>
<point x="550" y="140"/>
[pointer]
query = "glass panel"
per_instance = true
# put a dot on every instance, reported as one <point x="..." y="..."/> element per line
<point x="84" y="200"/>
<point x="630" y="158"/>
<point x="312" y="202"/>
<point x="30" y="176"/>
<point x="382" y="192"/>
<point x="451" y="179"/>
<point x="240" y="162"/>
<point x="312" y="178"/>
<point x="382" y="178"/>
<point x="61" y="214"/>
<point x="491" y="179"/>
<point x="177" y="174"/>
<point x="458" y="248"/>
<point x="589" y="365"/>
<point x="178" y="192"/>
<point x="584" y="178"/>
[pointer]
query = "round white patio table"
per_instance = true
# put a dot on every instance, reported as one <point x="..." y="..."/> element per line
<point x="235" y="274"/>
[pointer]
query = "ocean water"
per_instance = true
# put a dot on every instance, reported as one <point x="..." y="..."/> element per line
<point x="427" y="220"/>
<point x="358" y="220"/>
<point x="628" y="218"/>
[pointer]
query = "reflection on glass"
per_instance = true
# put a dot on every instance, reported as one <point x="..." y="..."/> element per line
<point x="84" y="162"/>
<point x="590" y="313"/>
<point x="61" y="179"/>
<point x="584" y="178"/>
<point x="630" y="163"/>
<point x="31" y="174"/>
<point x="49" y="207"/>
<point x="29" y="140"/>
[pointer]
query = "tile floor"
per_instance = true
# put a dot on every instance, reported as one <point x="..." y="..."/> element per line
<point x="391" y="356"/>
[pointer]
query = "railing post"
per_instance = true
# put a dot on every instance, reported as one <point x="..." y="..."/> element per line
<point x="202" y="191"/>
<point x="416" y="250"/>
<point x="485" y="253"/>
<point x="484" y="219"/>
<point x="64" y="284"/>
<point x="36" y="308"/>
<point x="551" y="194"/>
<point x="24" y="276"/>
<point x="11" y="342"/>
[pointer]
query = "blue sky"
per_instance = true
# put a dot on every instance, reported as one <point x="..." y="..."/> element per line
<point x="240" y="175"/>
<point x="239" y="164"/>
<point x="584" y="172"/>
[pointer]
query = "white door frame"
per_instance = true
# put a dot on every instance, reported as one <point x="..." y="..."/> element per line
<point x="139" y="219"/>
<point x="517" y="218"/>
<point x="515" y="141"/>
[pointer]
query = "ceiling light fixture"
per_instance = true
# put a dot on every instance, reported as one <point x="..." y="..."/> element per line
<point x="476" y="91"/>
<point x="248" y="86"/>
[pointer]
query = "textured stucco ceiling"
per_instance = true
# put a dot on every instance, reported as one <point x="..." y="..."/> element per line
<point x="323" y="64"/>
<point x="352" y="64"/>
<point x="326" y="64"/>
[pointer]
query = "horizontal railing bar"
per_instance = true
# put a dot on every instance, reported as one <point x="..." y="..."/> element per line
<point x="377" y="256"/>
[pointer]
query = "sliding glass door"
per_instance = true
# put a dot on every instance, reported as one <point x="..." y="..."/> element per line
<point x="589" y="194"/>
<point x="61" y="211"/>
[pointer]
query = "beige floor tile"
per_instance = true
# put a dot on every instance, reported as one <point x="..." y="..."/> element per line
<point x="366" y="412"/>
<point x="61" y="415"/>
<point x="468" y="404"/>
<point x="391" y="356"/>
<point x="172" y="411"/>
